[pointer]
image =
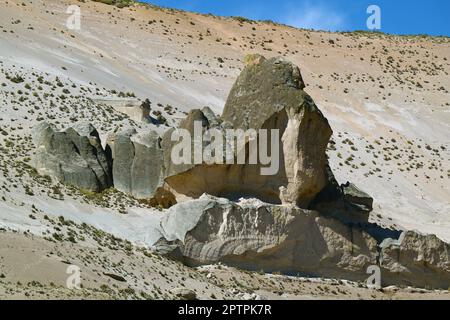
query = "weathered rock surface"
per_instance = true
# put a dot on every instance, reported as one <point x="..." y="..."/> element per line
<point x="196" y="115"/>
<point x="267" y="95"/>
<point x="417" y="260"/>
<point x="258" y="236"/>
<point x="74" y="156"/>
<point x="321" y="228"/>
<point x="138" y="163"/>
<point x="357" y="197"/>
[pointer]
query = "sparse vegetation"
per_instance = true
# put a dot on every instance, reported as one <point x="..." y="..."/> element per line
<point x="117" y="3"/>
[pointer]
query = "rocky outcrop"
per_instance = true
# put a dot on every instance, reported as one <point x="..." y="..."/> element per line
<point x="259" y="236"/>
<point x="208" y="120"/>
<point x="74" y="156"/>
<point x="138" y="163"/>
<point x="132" y="163"/>
<point x="297" y="220"/>
<point x="416" y="260"/>
<point x="267" y="95"/>
<point x="353" y="195"/>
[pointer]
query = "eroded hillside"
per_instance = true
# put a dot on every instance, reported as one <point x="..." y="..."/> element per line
<point x="386" y="98"/>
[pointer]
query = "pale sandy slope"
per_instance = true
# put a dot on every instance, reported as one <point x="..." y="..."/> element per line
<point x="387" y="95"/>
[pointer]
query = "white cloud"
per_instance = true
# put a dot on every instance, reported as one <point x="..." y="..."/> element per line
<point x="314" y="16"/>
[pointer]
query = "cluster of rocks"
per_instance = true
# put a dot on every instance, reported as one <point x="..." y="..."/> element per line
<point x="74" y="156"/>
<point x="259" y="236"/>
<point x="298" y="221"/>
<point x="267" y="95"/>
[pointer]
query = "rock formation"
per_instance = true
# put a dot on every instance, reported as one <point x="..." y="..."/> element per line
<point x="138" y="163"/>
<point x="416" y="260"/>
<point x="74" y="156"/>
<point x="267" y="95"/>
<point x="259" y="236"/>
<point x="299" y="220"/>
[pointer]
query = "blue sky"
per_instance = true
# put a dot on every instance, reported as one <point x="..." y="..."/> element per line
<point x="397" y="16"/>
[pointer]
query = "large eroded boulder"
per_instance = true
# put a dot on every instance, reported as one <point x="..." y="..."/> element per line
<point x="138" y="163"/>
<point x="417" y="260"/>
<point x="259" y="236"/>
<point x="74" y="156"/>
<point x="267" y="95"/>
